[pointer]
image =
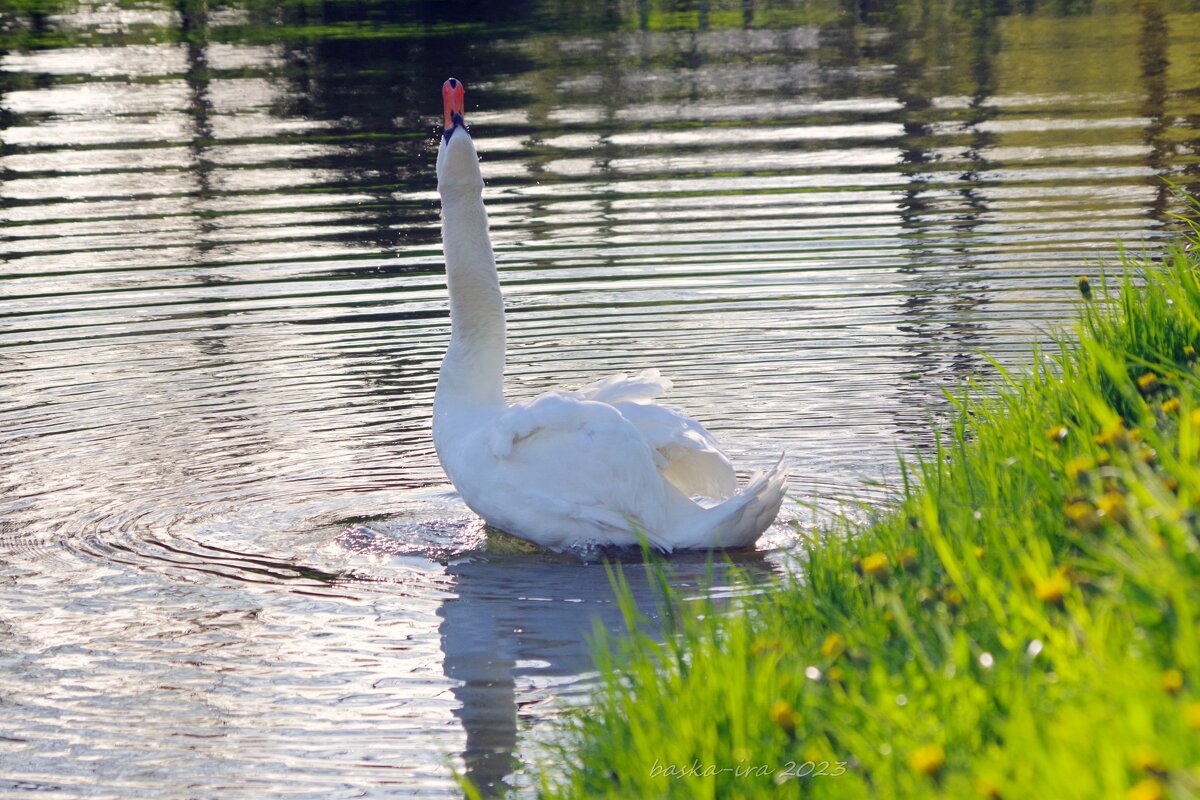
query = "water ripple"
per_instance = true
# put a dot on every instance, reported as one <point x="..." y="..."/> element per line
<point x="229" y="564"/>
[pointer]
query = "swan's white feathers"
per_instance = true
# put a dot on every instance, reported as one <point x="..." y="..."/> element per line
<point x="687" y="454"/>
<point x="559" y="522"/>
<point x="646" y="385"/>
<point x="573" y="470"/>
<point x="556" y="411"/>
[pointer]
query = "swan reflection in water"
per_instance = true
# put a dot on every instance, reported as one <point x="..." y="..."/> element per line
<point x="521" y="619"/>
<point x="516" y="623"/>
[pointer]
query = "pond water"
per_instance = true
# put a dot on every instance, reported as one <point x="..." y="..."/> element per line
<point x="229" y="562"/>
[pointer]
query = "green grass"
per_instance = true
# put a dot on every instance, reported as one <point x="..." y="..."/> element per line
<point x="1022" y="624"/>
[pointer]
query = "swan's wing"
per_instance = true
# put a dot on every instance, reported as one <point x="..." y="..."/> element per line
<point x="568" y="465"/>
<point x="646" y="385"/>
<point x="687" y="454"/>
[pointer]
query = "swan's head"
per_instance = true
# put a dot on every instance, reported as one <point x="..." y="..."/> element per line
<point x="457" y="161"/>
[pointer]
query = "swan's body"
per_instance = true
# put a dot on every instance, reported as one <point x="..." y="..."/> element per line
<point x="604" y="464"/>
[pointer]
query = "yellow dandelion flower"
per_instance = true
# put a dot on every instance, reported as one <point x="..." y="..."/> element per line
<point x="833" y="646"/>
<point x="1056" y="433"/>
<point x="1171" y="406"/>
<point x="908" y="558"/>
<point x="1112" y="433"/>
<point x="979" y="552"/>
<point x="953" y="597"/>
<point x="783" y="715"/>
<point x="1172" y="681"/>
<point x="876" y="566"/>
<point x="1148" y="383"/>
<point x="988" y="789"/>
<point x="1146" y="758"/>
<point x="1080" y="514"/>
<point x="927" y="759"/>
<point x="1053" y="589"/>
<point x="1147" y="789"/>
<point x="1077" y="467"/>
<point x="1112" y="505"/>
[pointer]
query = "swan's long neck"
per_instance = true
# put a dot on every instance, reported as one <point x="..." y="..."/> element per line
<point x="471" y="380"/>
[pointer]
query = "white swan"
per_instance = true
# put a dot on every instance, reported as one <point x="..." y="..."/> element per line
<point x="598" y="465"/>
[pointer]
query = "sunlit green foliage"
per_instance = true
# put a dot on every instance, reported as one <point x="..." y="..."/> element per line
<point x="1023" y="624"/>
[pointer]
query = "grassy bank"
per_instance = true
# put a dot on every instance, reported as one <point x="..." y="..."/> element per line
<point x="1024" y="625"/>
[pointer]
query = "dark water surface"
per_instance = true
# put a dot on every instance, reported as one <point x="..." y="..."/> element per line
<point x="229" y="562"/>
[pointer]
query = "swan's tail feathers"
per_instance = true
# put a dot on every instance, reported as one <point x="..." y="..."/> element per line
<point x="740" y="520"/>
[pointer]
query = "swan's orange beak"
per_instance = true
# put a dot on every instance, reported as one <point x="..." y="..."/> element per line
<point x="452" y="102"/>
